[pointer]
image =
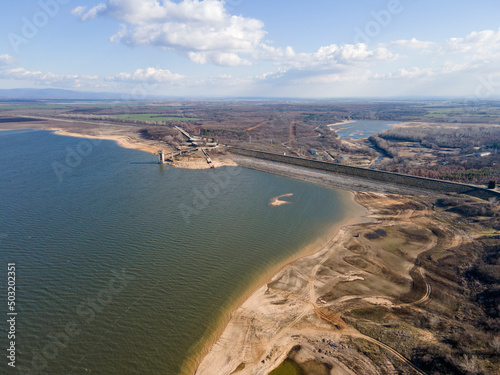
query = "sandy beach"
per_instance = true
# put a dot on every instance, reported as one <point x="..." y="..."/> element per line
<point x="132" y="140"/>
<point x="227" y="354"/>
<point x="126" y="136"/>
<point x="202" y="352"/>
<point x="303" y="304"/>
<point x="338" y="126"/>
<point x="342" y="123"/>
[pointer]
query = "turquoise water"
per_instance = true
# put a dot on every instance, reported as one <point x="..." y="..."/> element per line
<point x="123" y="265"/>
<point x="362" y="128"/>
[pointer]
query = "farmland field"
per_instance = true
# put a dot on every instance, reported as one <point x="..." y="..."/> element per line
<point x="153" y="117"/>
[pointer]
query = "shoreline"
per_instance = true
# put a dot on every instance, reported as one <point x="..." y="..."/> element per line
<point x="200" y="350"/>
<point x="142" y="145"/>
<point x="342" y="123"/>
<point x="128" y="140"/>
<point x="299" y="309"/>
<point x="122" y="141"/>
<point x="359" y="215"/>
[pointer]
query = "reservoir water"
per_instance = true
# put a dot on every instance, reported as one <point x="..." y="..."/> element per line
<point x="124" y="266"/>
<point x="362" y="128"/>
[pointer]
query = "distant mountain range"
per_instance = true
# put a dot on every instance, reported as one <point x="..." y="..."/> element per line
<point x="56" y="94"/>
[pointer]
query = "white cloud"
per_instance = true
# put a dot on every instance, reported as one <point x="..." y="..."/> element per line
<point x="450" y="67"/>
<point x="334" y="56"/>
<point x="206" y="33"/>
<point x="219" y="58"/>
<point x="148" y="75"/>
<point x="329" y="65"/>
<point x="226" y="80"/>
<point x="414" y="44"/>
<point x="202" y="29"/>
<point x="93" y="12"/>
<point x="437" y="71"/>
<point x="478" y="43"/>
<point x="137" y="12"/>
<point x="7" y="60"/>
<point x="267" y="52"/>
<point x="357" y="76"/>
<point x="413" y="72"/>
<point x="45" y="78"/>
<point x="281" y="72"/>
<point x="24" y="74"/>
<point x="458" y="58"/>
<point x="78" y="11"/>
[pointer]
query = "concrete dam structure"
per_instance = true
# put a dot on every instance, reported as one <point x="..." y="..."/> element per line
<point x="374" y="175"/>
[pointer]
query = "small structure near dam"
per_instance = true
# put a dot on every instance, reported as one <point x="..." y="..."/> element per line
<point x="161" y="154"/>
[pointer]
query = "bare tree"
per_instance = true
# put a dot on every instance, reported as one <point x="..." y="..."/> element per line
<point x="469" y="364"/>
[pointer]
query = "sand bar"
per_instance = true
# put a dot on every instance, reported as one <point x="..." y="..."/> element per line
<point x="276" y="201"/>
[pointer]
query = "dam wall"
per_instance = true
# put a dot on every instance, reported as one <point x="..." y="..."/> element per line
<point x="372" y="174"/>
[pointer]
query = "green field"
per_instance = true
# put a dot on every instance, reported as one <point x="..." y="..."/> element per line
<point x="122" y="104"/>
<point x="153" y="117"/>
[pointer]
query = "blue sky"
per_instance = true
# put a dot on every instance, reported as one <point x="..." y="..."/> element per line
<point x="271" y="48"/>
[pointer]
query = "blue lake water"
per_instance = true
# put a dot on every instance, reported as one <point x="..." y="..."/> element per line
<point x="124" y="266"/>
<point x="362" y="128"/>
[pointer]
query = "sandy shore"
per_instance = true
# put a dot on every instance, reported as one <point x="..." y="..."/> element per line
<point x="125" y="141"/>
<point x="132" y="141"/>
<point x="342" y="123"/>
<point x="302" y="305"/>
<point x="234" y="344"/>
<point x="126" y="136"/>
<point x="202" y="360"/>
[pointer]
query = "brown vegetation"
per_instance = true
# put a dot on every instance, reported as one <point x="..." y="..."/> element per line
<point x="464" y="154"/>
